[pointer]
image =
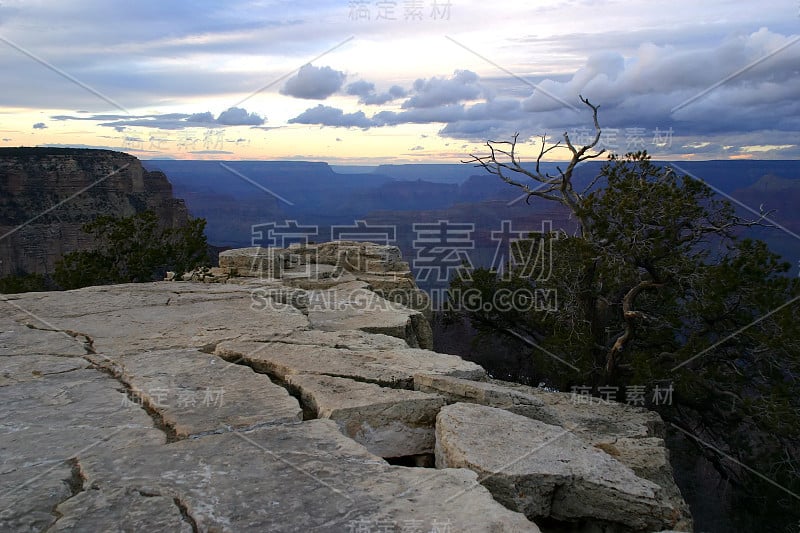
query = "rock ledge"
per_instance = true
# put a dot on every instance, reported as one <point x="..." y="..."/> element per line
<point x="270" y="402"/>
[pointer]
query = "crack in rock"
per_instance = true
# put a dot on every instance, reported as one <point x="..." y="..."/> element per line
<point x="77" y="478"/>
<point x="137" y="397"/>
<point x="87" y="343"/>
<point x="308" y="412"/>
<point x="184" y="510"/>
<point x="76" y="484"/>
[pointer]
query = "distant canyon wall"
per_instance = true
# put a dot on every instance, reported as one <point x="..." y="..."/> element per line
<point x="47" y="194"/>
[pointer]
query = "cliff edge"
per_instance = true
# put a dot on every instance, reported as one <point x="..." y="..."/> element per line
<point x="297" y="399"/>
<point x="47" y="194"/>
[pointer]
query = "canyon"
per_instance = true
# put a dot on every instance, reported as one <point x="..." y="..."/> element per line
<point x="49" y="193"/>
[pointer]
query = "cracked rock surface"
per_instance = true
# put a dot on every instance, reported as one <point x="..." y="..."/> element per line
<point x="115" y="414"/>
<point x="181" y="406"/>
<point x="547" y="471"/>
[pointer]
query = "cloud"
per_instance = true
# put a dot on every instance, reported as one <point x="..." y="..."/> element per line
<point x="360" y="88"/>
<point x="416" y="148"/>
<point x="368" y="96"/>
<point x="705" y="95"/>
<point x="459" y="119"/>
<point x="652" y="88"/>
<point x="637" y="70"/>
<point x="443" y="113"/>
<point x="738" y="84"/>
<point x="203" y="118"/>
<point x="332" y="116"/>
<point x="236" y="116"/>
<point x="99" y="147"/>
<point x="314" y="83"/>
<point x="433" y="92"/>
<point x="40" y="126"/>
<point x="456" y="116"/>
<point x="499" y="118"/>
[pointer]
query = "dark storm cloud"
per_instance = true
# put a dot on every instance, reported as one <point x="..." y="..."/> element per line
<point x="736" y="98"/>
<point x="743" y="87"/>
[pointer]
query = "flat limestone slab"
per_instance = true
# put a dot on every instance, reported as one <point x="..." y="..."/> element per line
<point x="622" y="431"/>
<point x="120" y="510"/>
<point x="116" y="414"/>
<point x="599" y="417"/>
<point x="391" y="368"/>
<point x="19" y="339"/>
<point x="353" y="306"/>
<point x="197" y="393"/>
<point x="47" y="421"/>
<point x="343" y="339"/>
<point x="389" y="422"/>
<point x="16" y="369"/>
<point x="546" y="471"/>
<point x="302" y="477"/>
<point x="590" y="420"/>
<point x="486" y="393"/>
<point x="124" y="319"/>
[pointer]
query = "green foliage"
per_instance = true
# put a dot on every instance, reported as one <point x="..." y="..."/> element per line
<point x="132" y="249"/>
<point x="660" y="288"/>
<point x="23" y="283"/>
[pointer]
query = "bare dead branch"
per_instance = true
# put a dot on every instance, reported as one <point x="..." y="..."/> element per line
<point x="503" y="161"/>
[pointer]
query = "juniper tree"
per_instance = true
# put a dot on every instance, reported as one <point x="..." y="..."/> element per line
<point x="657" y="287"/>
<point x="132" y="249"/>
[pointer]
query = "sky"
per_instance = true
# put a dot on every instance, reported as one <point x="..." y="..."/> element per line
<point x="372" y="82"/>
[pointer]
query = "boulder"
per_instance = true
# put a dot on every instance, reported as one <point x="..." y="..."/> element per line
<point x="543" y="470"/>
<point x="631" y="435"/>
